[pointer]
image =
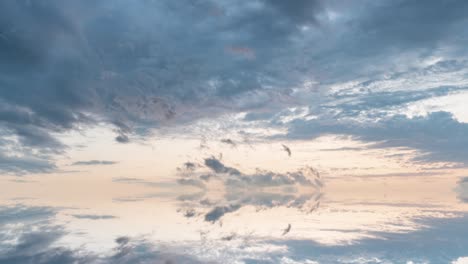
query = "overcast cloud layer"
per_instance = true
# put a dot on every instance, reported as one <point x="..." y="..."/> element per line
<point x="144" y="65"/>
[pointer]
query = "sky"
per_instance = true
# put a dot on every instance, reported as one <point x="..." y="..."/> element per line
<point x="216" y="131"/>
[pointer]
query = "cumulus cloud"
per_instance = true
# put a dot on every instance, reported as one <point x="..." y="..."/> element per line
<point x="261" y="178"/>
<point x="262" y="189"/>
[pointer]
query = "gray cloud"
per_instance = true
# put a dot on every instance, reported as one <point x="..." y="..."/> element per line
<point x="137" y="181"/>
<point x="25" y="214"/>
<point x="145" y="65"/>
<point x="36" y="247"/>
<point x="417" y="246"/>
<point x="356" y="104"/>
<point x="462" y="189"/>
<point x="93" y="162"/>
<point x="34" y="236"/>
<point x="262" y="189"/>
<point x="93" y="217"/>
<point x="218" y="167"/>
<point x="68" y="64"/>
<point x="261" y="178"/>
<point x="216" y="213"/>
<point x="24" y="165"/>
<point x="438" y="136"/>
<point x="229" y="141"/>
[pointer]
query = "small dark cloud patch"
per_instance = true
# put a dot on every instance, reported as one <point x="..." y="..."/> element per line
<point x="191" y="182"/>
<point x="122" y="138"/>
<point x="218" y="167"/>
<point x="216" y="213"/>
<point x="93" y="217"/>
<point x="190" y="213"/>
<point x="190" y="165"/>
<point x="229" y="141"/>
<point x="129" y="180"/>
<point x="93" y="162"/>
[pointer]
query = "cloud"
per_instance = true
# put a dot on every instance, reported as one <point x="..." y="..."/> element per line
<point x="93" y="217"/>
<point x="218" y="167"/>
<point x="216" y="213"/>
<point x="28" y="236"/>
<point x="36" y="247"/>
<point x="191" y="182"/>
<point x="70" y="66"/>
<point x="93" y="162"/>
<point x="261" y="178"/>
<point x="102" y="61"/>
<point x="262" y="189"/>
<point x="137" y="181"/>
<point x="229" y="142"/>
<point x="438" y="136"/>
<point x="460" y="260"/>
<point x="462" y="189"/>
<point x="24" y="214"/>
<point x="24" y="165"/>
<point x="416" y="246"/>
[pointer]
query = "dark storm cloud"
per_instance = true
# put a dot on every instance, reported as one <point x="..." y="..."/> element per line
<point x="93" y="162"/>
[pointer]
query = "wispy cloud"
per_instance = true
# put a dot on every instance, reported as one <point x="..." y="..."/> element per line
<point x="93" y="162"/>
